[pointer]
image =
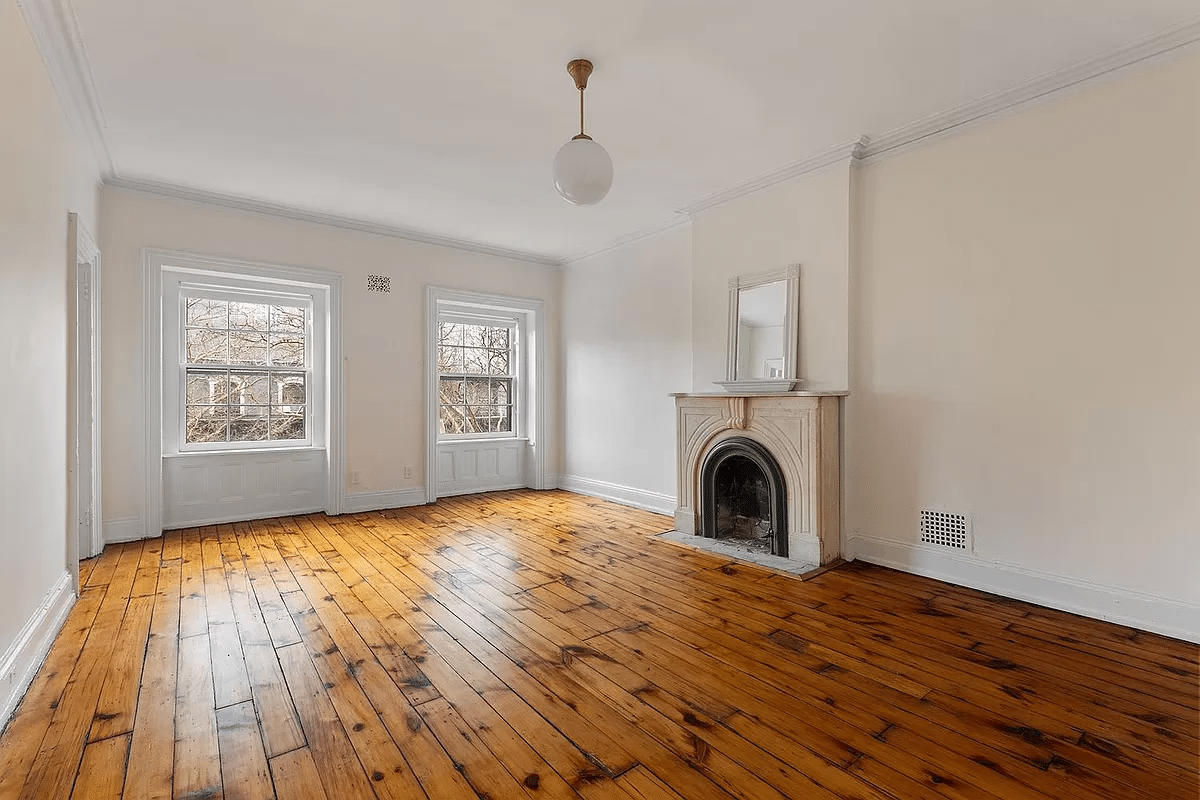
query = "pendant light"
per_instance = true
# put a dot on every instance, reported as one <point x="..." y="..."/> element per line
<point x="583" y="171"/>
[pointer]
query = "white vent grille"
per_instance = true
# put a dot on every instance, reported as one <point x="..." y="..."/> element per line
<point x="379" y="283"/>
<point x="945" y="530"/>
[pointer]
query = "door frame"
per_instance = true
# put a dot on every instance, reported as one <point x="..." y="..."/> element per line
<point x="83" y="260"/>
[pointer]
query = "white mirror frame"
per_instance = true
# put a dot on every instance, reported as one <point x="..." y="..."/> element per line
<point x="791" y="333"/>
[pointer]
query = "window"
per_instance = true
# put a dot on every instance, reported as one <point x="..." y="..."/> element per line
<point x="477" y="375"/>
<point x="246" y="365"/>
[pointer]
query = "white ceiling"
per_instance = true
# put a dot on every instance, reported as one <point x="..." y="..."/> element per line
<point x="444" y="117"/>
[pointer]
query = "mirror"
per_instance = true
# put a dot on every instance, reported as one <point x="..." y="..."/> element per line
<point x="763" y="331"/>
<point x="762" y="310"/>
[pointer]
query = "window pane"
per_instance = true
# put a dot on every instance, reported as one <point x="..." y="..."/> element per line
<point x="207" y="346"/>
<point x="287" y="426"/>
<point x="453" y="419"/>
<point x="247" y="347"/>
<point x="476" y="422"/>
<point x="475" y="361"/>
<point x="249" y="428"/>
<point x="206" y="424"/>
<point x="287" y="349"/>
<point x="202" y="313"/>
<point x="498" y="362"/>
<point x="251" y="389"/>
<point x="473" y="335"/>
<point x="251" y="316"/>
<point x="288" y="392"/>
<point x="450" y="359"/>
<point x="449" y="333"/>
<point x="502" y="391"/>
<point x="207" y="387"/>
<point x="450" y="391"/>
<point x="287" y="319"/>
<point x="478" y="391"/>
<point x="504" y="422"/>
<point x="498" y="338"/>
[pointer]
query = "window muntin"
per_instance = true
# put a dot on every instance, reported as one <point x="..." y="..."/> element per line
<point x="477" y="376"/>
<point x="246" y="370"/>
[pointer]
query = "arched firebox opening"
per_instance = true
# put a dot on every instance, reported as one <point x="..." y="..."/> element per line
<point x="743" y="497"/>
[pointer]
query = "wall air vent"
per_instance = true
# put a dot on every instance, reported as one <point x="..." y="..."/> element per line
<point x="379" y="283"/>
<point x="945" y="530"/>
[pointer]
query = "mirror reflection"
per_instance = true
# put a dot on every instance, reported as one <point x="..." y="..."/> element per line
<point x="762" y="313"/>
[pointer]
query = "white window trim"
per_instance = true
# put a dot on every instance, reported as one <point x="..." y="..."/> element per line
<point x="154" y="262"/>
<point x="535" y="428"/>
<point x="518" y="350"/>
<point x="181" y="283"/>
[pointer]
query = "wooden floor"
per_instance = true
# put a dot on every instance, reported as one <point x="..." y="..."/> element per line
<point x="533" y="645"/>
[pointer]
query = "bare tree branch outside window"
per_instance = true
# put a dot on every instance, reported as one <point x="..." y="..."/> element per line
<point x="245" y="371"/>
<point x="476" y="365"/>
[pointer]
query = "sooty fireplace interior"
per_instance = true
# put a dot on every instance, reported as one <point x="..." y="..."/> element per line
<point x="743" y="497"/>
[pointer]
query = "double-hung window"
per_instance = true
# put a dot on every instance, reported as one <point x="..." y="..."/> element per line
<point x="478" y="376"/>
<point x="245" y="360"/>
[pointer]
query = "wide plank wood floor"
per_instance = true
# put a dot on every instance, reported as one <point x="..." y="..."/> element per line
<point x="529" y="645"/>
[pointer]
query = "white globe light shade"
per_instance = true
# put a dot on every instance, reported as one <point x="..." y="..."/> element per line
<point x="583" y="172"/>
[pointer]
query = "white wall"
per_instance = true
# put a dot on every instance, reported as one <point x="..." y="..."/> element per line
<point x="1013" y="309"/>
<point x="627" y="337"/>
<point x="1025" y="351"/>
<point x="803" y="221"/>
<point x="46" y="174"/>
<point x="382" y="337"/>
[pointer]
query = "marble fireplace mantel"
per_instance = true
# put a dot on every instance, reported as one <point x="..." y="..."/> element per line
<point x="800" y="429"/>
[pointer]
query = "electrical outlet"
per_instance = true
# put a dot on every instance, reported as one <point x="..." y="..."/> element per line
<point x="355" y="477"/>
<point x="408" y="472"/>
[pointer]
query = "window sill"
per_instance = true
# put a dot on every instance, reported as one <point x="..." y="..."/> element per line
<point x="248" y="451"/>
<point x="465" y="440"/>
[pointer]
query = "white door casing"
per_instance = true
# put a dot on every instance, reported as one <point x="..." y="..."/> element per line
<point x="84" y="537"/>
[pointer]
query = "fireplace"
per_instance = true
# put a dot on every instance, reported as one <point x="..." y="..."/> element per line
<point x="743" y="497"/>
<point x="762" y="469"/>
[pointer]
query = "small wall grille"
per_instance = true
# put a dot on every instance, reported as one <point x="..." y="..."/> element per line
<point x="944" y="529"/>
<point x="379" y="283"/>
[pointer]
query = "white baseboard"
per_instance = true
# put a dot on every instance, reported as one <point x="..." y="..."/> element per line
<point x="478" y="487"/>
<point x="27" y="653"/>
<point x="1169" y="617"/>
<point x="625" y="495"/>
<point x="373" y="501"/>
<point x="126" y="529"/>
<point x="197" y="522"/>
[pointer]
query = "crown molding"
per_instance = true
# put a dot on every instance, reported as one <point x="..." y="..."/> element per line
<point x="55" y="32"/>
<point x="636" y="236"/>
<point x="295" y="214"/>
<point x="842" y="152"/>
<point x="1173" y="42"/>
